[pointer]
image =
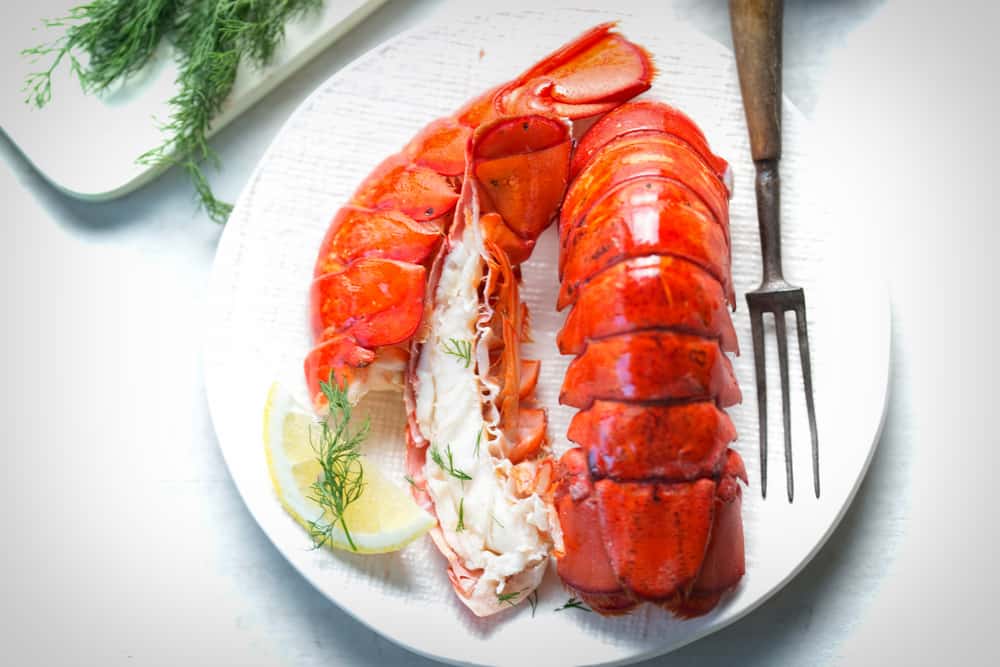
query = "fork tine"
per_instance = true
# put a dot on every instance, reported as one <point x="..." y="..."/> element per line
<point x="786" y="410"/>
<point x="803" y="336"/>
<point x="757" y="329"/>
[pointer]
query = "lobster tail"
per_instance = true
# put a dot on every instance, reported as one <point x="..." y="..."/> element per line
<point x="470" y="386"/>
<point x="649" y="502"/>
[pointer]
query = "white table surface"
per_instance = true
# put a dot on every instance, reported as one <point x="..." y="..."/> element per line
<point x="125" y="542"/>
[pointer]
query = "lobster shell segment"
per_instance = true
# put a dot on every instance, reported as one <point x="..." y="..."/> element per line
<point x="646" y="292"/>
<point x="645" y="154"/>
<point x="441" y="146"/>
<point x="655" y="365"/>
<point x="646" y="116"/>
<point x="357" y="232"/>
<point x="522" y="166"/>
<point x="650" y="501"/>
<point x="651" y="562"/>
<point x="672" y="443"/>
<point x="400" y="185"/>
<point x="643" y="217"/>
<point x="377" y="301"/>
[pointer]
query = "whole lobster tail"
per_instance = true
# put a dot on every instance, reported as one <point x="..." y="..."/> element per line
<point x="396" y="219"/>
<point x="649" y="502"/>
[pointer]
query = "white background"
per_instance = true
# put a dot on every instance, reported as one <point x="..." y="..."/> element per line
<point x="124" y="541"/>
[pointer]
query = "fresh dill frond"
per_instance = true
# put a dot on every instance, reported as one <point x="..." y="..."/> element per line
<point x="211" y="38"/>
<point x="533" y="601"/>
<point x="214" y="37"/>
<point x="118" y="37"/>
<point x="479" y="439"/>
<point x="409" y="480"/>
<point x="508" y="597"/>
<point x="573" y="603"/>
<point x="460" y="349"/>
<point x="461" y="515"/>
<point x="448" y="467"/>
<point x="338" y="452"/>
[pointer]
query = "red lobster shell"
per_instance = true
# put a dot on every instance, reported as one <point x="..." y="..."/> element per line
<point x="649" y="502"/>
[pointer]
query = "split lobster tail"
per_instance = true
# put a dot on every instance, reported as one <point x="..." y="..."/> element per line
<point x="649" y="502"/>
<point x="470" y="387"/>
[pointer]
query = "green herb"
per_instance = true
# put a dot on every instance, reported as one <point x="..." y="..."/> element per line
<point x="493" y="516"/>
<point x="450" y="466"/>
<point x="409" y="480"/>
<point x="338" y="452"/>
<point x="211" y="38"/>
<point x="461" y="515"/>
<point x="533" y="601"/>
<point x="460" y="349"/>
<point x="573" y="603"/>
<point x="118" y="36"/>
<point x="508" y="597"/>
<point x="479" y="439"/>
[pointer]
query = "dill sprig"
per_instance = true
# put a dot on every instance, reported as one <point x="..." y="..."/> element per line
<point x="508" y="597"/>
<point x="117" y="36"/>
<point x="573" y="603"/>
<point x="448" y="467"/>
<point x="211" y="37"/>
<point x="460" y="349"/>
<point x="479" y="440"/>
<point x="338" y="452"/>
<point x="214" y="37"/>
<point x="409" y="480"/>
<point x="461" y="515"/>
<point x="533" y="601"/>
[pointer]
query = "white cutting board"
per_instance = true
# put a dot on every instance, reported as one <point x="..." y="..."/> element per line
<point x="87" y="145"/>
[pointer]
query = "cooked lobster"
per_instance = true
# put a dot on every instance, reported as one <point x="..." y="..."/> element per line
<point x="417" y="287"/>
<point x="649" y="502"/>
<point x="370" y="279"/>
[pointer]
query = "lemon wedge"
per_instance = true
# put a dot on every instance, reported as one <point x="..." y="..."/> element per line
<point x="384" y="517"/>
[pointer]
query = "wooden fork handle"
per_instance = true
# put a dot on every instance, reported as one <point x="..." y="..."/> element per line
<point x="756" y="28"/>
<point x="757" y="39"/>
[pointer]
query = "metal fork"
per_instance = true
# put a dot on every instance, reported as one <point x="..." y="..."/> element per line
<point x="756" y="26"/>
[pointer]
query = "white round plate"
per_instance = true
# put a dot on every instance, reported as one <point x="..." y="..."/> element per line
<point x="368" y="111"/>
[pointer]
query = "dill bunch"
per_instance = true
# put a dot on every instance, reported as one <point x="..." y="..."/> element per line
<point x="338" y="452"/>
<point x="211" y="39"/>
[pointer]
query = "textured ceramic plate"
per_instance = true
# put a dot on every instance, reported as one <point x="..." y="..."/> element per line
<point x="259" y="332"/>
